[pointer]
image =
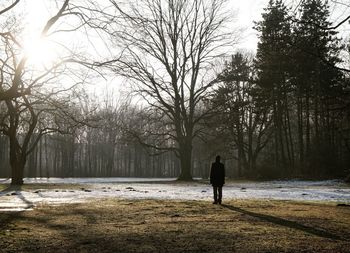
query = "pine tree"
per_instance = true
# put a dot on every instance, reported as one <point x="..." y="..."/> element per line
<point x="317" y="83"/>
<point x="244" y="122"/>
<point x="273" y="64"/>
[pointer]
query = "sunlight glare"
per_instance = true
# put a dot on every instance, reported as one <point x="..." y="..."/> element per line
<point x="40" y="52"/>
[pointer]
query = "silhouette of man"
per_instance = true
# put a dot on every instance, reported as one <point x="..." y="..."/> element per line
<point x="217" y="179"/>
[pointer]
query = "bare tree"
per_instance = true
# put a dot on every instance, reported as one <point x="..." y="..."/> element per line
<point x="28" y="119"/>
<point x="11" y="92"/>
<point x="168" y="49"/>
<point x="9" y="7"/>
<point x="33" y="93"/>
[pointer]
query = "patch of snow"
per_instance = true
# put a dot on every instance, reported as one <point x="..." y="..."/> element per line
<point x="146" y="188"/>
<point x="86" y="180"/>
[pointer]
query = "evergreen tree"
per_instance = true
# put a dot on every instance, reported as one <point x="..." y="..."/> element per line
<point x="318" y="83"/>
<point x="273" y="61"/>
<point x="243" y="120"/>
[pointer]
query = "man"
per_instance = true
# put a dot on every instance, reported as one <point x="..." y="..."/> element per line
<point x="217" y="179"/>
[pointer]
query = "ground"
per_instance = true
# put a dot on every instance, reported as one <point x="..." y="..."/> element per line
<point x="143" y="215"/>
<point x="56" y="191"/>
<point x="131" y="225"/>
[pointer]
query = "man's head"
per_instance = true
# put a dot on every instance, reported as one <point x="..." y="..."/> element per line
<point x="217" y="159"/>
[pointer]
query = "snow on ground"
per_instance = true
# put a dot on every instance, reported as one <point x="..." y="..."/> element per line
<point x="142" y="188"/>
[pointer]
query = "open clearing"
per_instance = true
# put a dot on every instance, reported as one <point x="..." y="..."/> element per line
<point x="55" y="191"/>
<point x="117" y="215"/>
<point x="116" y="225"/>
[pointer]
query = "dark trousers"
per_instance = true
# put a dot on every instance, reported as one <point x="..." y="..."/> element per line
<point x="217" y="191"/>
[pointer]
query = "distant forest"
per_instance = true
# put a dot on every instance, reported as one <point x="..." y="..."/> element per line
<point x="282" y="112"/>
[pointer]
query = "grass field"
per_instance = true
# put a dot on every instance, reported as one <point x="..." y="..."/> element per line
<point x="115" y="225"/>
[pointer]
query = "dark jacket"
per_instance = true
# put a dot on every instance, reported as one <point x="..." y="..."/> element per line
<point x="217" y="174"/>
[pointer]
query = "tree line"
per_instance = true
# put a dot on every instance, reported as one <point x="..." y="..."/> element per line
<point x="282" y="112"/>
<point x="109" y="147"/>
<point x="288" y="106"/>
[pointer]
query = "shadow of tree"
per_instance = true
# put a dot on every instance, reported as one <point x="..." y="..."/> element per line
<point x="18" y="192"/>
<point x="11" y="187"/>
<point x="7" y="189"/>
<point x="285" y="223"/>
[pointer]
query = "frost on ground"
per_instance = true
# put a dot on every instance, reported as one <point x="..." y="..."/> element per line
<point x="137" y="188"/>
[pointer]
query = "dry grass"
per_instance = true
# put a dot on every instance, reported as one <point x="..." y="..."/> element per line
<point x="178" y="226"/>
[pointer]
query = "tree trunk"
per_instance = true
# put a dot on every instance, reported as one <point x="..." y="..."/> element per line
<point x="307" y="155"/>
<point x="17" y="173"/>
<point x="185" y="159"/>
<point x="17" y="166"/>
<point x="300" y="133"/>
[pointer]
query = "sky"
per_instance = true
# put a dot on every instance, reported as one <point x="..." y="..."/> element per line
<point x="37" y="12"/>
<point x="244" y="12"/>
<point x="248" y="11"/>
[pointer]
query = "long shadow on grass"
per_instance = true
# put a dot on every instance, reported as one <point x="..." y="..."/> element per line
<point x="18" y="193"/>
<point x="285" y="223"/>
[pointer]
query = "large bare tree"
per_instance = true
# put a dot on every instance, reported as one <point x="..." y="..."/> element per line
<point x="7" y="92"/>
<point x="33" y="94"/>
<point x="168" y="49"/>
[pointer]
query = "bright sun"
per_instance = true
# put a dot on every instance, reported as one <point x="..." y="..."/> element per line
<point x="40" y="52"/>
